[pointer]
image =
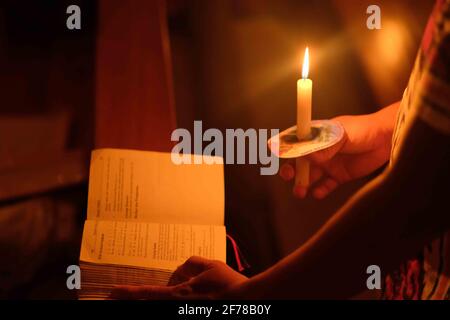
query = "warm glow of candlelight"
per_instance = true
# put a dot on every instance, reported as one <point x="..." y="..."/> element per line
<point x="304" y="101"/>
<point x="305" y="68"/>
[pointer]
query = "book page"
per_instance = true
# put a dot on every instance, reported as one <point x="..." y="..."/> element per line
<point x="150" y="245"/>
<point x="148" y="186"/>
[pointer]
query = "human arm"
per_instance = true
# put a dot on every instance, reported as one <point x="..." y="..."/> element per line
<point x="387" y="221"/>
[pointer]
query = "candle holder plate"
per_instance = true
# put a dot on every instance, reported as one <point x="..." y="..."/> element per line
<point x="324" y="134"/>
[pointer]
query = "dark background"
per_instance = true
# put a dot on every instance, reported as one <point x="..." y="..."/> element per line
<point x="233" y="64"/>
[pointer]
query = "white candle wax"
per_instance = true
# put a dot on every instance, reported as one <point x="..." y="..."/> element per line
<point x="304" y="101"/>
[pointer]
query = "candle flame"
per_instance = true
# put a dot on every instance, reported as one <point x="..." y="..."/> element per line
<point x="305" y="68"/>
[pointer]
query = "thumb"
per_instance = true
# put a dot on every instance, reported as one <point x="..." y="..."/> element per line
<point x="192" y="267"/>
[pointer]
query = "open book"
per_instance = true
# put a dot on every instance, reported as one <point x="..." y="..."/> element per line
<point x="145" y="217"/>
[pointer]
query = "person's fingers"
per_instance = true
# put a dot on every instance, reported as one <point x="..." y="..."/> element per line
<point x="324" y="188"/>
<point x="323" y="156"/>
<point x="142" y="292"/>
<point x="179" y="292"/>
<point x="287" y="171"/>
<point x="300" y="191"/>
<point x="178" y="277"/>
<point x="315" y="175"/>
<point x="192" y="267"/>
<point x="195" y="264"/>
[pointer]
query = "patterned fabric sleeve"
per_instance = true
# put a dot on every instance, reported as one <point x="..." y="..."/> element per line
<point x="434" y="89"/>
<point x="427" y="97"/>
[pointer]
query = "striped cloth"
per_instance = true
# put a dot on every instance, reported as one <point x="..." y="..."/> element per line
<point x="427" y="97"/>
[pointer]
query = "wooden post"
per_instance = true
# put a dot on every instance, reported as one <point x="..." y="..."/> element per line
<point x="134" y="87"/>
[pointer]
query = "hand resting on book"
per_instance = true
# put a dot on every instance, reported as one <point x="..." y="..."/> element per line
<point x="197" y="278"/>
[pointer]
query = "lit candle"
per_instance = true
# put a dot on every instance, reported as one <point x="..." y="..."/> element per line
<point x="304" y="94"/>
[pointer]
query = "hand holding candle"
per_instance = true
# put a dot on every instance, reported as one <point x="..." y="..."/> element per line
<point x="304" y="98"/>
<point x="298" y="141"/>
